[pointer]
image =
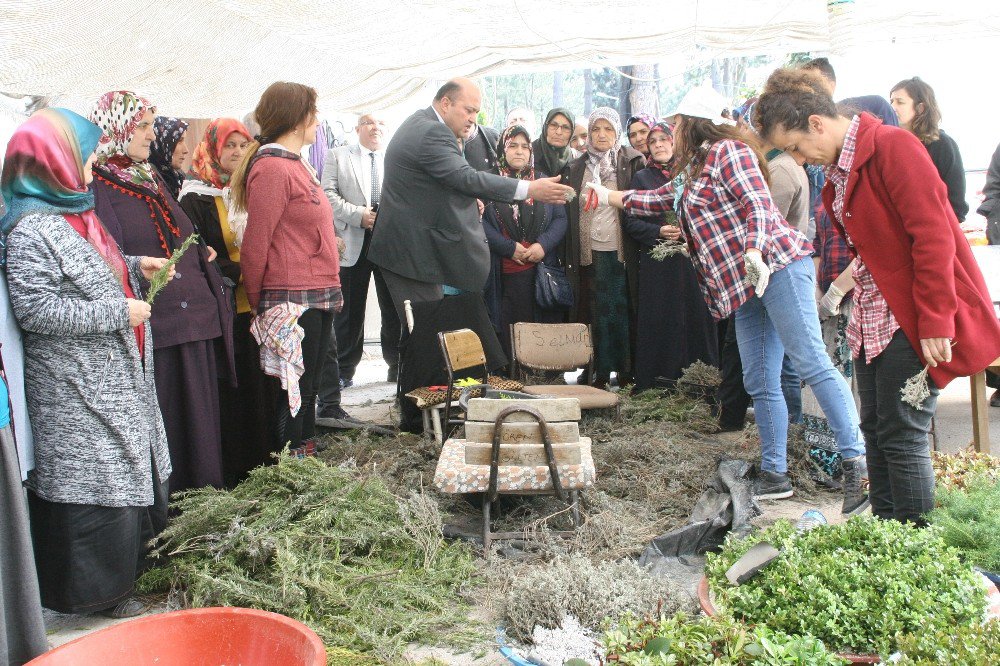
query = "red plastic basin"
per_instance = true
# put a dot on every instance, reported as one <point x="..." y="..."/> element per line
<point x="198" y="637"/>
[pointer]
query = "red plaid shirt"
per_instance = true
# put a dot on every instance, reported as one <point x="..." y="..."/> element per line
<point x="871" y="325"/>
<point x="834" y="252"/>
<point x="724" y="212"/>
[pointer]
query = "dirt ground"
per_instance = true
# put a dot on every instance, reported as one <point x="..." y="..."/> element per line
<point x="371" y="399"/>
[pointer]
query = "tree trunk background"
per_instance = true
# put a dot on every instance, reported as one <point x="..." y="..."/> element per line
<point x="588" y="94"/>
<point x="644" y="96"/>
<point x="624" y="96"/>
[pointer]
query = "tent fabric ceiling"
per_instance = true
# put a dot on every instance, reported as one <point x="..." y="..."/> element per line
<point x="203" y="58"/>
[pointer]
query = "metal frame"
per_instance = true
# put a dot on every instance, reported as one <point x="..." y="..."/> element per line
<point x="492" y="493"/>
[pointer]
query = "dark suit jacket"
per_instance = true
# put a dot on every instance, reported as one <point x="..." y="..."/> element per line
<point x="428" y="226"/>
<point x="481" y="152"/>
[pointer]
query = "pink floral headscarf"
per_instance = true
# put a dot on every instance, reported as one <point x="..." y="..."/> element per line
<point x="117" y="113"/>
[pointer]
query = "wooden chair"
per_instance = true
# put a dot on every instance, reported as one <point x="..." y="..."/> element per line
<point x="560" y="347"/>
<point x="462" y="350"/>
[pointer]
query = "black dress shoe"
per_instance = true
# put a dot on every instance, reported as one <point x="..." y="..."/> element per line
<point x="334" y="416"/>
<point x="995" y="400"/>
<point x="346" y="383"/>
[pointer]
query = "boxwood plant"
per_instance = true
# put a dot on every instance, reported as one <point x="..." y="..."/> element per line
<point x="854" y="586"/>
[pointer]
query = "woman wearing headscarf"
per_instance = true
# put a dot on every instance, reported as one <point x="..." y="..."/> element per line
<point x="246" y="408"/>
<point x="192" y="318"/>
<point x="602" y="261"/>
<point x="637" y="130"/>
<point x="666" y="345"/>
<point x="168" y="151"/>
<point x="551" y="150"/>
<point x="98" y="491"/>
<point x="520" y="236"/>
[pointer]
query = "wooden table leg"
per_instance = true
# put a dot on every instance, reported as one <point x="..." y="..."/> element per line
<point x="980" y="413"/>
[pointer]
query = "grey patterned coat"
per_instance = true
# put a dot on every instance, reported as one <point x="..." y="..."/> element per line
<point x="92" y="404"/>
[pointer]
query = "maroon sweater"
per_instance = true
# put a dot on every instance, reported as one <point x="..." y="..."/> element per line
<point x="289" y="241"/>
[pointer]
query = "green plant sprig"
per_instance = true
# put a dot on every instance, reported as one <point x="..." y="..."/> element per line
<point x="159" y="279"/>
<point x="718" y="641"/>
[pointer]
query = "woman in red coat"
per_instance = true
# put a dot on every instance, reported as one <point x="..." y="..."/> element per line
<point x="920" y="297"/>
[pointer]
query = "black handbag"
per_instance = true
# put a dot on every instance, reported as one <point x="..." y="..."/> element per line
<point x="552" y="288"/>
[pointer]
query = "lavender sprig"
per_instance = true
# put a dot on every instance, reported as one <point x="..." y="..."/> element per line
<point x="916" y="389"/>
<point x="668" y="248"/>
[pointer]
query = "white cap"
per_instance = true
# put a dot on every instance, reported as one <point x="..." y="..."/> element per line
<point x="702" y="102"/>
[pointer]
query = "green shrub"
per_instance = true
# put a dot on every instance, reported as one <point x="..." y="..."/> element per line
<point x="978" y="645"/>
<point x="969" y="520"/>
<point x="721" y="641"/>
<point x="855" y="586"/>
<point x="368" y="571"/>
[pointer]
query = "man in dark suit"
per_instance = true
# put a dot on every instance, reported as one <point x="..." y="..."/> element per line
<point x="428" y="232"/>
<point x="480" y="147"/>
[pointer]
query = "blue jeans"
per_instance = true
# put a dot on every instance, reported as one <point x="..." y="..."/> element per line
<point x="785" y="321"/>
<point x="791" y="387"/>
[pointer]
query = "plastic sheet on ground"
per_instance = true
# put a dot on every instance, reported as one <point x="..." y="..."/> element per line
<point x="725" y="506"/>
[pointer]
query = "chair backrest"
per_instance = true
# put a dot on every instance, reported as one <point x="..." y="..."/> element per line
<point x="551" y="346"/>
<point x="462" y="349"/>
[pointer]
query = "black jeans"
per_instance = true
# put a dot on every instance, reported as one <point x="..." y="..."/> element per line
<point x="350" y="322"/>
<point x="292" y="430"/>
<point x="896" y="435"/>
<point x="731" y="395"/>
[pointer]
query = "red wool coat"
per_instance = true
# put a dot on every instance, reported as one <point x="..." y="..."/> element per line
<point x="897" y="214"/>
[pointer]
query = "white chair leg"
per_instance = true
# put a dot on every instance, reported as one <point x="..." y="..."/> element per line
<point x="426" y="419"/>
<point x="436" y="417"/>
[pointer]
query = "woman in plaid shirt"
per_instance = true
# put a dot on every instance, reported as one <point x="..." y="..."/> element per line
<point x="919" y="295"/>
<point x="739" y="244"/>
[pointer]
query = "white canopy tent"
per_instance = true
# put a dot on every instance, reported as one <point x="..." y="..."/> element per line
<point x="204" y="58"/>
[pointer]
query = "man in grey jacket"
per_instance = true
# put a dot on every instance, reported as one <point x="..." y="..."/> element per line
<point x="352" y="180"/>
<point x="428" y="231"/>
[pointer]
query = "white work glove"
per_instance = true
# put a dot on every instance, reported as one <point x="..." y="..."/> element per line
<point x="829" y="305"/>
<point x="757" y="272"/>
<point x="601" y="192"/>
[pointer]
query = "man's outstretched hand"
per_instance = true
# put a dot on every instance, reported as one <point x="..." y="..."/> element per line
<point x="548" y="190"/>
